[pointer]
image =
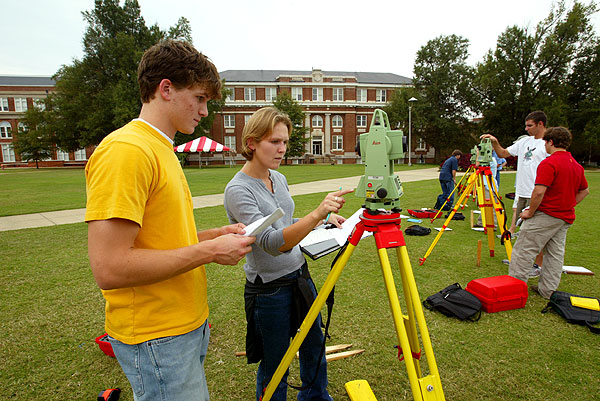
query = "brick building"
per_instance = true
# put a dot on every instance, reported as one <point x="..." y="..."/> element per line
<point x="338" y="106"/>
<point x="17" y="95"/>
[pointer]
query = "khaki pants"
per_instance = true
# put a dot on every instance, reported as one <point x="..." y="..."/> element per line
<point x="541" y="232"/>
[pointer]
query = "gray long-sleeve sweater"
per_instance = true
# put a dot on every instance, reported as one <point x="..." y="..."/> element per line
<point x="247" y="199"/>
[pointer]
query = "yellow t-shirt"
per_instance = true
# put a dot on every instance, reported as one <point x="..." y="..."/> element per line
<point x="135" y="175"/>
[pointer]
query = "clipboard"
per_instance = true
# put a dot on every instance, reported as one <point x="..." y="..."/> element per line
<point x="319" y="249"/>
<point x="255" y="228"/>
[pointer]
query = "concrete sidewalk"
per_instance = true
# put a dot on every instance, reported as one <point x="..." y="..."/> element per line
<point x="45" y="219"/>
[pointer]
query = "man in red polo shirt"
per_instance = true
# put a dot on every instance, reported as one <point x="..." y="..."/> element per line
<point x="559" y="185"/>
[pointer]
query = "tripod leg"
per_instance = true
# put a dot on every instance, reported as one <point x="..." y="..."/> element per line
<point x="415" y="300"/>
<point x="310" y="318"/>
<point x="452" y="213"/>
<point x="427" y="388"/>
<point x="501" y="216"/>
<point x="487" y="217"/>
<point x="448" y="198"/>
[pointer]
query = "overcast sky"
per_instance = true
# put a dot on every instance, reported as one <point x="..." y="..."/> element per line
<point x="38" y="36"/>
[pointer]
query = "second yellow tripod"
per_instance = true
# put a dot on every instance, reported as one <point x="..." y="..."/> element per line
<point x="488" y="205"/>
<point x="386" y="229"/>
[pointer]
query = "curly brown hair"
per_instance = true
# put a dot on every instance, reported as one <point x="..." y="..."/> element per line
<point x="179" y="62"/>
<point x="560" y="137"/>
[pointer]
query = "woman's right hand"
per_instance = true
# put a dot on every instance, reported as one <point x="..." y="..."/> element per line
<point x="332" y="203"/>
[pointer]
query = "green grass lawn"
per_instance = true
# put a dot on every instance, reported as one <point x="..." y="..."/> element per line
<point x="32" y="191"/>
<point x="51" y="310"/>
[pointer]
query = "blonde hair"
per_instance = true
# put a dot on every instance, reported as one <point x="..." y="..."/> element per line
<point x="261" y="125"/>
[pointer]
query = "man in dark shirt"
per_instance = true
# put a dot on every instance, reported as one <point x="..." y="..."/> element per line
<point x="560" y="184"/>
<point x="448" y="180"/>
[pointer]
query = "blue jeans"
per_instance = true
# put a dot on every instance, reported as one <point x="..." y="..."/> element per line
<point x="447" y="187"/>
<point x="168" y="368"/>
<point x="272" y="319"/>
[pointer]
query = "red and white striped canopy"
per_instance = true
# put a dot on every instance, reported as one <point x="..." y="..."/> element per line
<point x="202" y="144"/>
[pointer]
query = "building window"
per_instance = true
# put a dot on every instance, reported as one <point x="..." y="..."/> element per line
<point x="3" y="104"/>
<point x="361" y="121"/>
<point x="297" y="94"/>
<point x="317" y="122"/>
<point x="8" y="154"/>
<point x="229" y="121"/>
<point x="421" y="144"/>
<point x="5" y="130"/>
<point x="80" y="154"/>
<point x="62" y="155"/>
<point x="246" y="118"/>
<point x="338" y="94"/>
<point x="229" y="141"/>
<point x="361" y="95"/>
<point x="381" y="95"/>
<point x="337" y="122"/>
<point x="250" y="94"/>
<point x="337" y="142"/>
<point x="231" y="95"/>
<point x="20" y="104"/>
<point x="270" y="94"/>
<point x="22" y="127"/>
<point x="317" y="94"/>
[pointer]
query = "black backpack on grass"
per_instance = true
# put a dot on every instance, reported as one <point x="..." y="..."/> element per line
<point x="453" y="301"/>
<point x="560" y="302"/>
<point x="417" y="230"/>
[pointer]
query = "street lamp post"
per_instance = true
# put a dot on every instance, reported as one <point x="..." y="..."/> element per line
<point x="410" y="102"/>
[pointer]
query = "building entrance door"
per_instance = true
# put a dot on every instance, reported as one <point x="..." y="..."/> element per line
<point x="317" y="147"/>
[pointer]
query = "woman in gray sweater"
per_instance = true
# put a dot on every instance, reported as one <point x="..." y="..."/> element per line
<point x="276" y="271"/>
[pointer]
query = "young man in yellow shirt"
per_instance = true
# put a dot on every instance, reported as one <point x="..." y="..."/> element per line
<point x="144" y="250"/>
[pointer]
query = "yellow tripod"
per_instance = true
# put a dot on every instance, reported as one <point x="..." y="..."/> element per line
<point x="487" y="206"/>
<point x="387" y="233"/>
<point x="458" y="187"/>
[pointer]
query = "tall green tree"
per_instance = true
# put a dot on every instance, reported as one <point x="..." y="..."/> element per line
<point x="527" y="70"/>
<point x="443" y="81"/>
<point x="34" y="142"/>
<point x="99" y="93"/>
<point x="293" y="109"/>
<point x="584" y="107"/>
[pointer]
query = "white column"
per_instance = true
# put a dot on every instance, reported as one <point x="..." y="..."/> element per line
<point x="327" y="134"/>
<point x="307" y="145"/>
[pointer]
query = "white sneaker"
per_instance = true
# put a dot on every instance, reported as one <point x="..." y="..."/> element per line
<point x="535" y="271"/>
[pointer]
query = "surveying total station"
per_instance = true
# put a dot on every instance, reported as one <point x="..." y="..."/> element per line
<point x="381" y="190"/>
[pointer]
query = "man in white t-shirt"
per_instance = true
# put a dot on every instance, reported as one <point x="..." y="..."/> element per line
<point x="530" y="152"/>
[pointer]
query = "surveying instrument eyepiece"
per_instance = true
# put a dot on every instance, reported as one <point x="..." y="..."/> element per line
<point x="379" y="147"/>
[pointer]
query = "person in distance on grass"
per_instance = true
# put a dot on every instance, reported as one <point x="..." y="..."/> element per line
<point x="276" y="271"/>
<point x="144" y="250"/>
<point x="560" y="184"/>
<point x="448" y="180"/>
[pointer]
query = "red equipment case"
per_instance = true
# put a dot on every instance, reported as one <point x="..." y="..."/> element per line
<point x="422" y="214"/>
<point x="499" y="293"/>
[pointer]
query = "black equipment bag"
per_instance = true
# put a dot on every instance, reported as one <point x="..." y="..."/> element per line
<point x="457" y="216"/>
<point x="417" y="230"/>
<point x="560" y="302"/>
<point x="453" y="301"/>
